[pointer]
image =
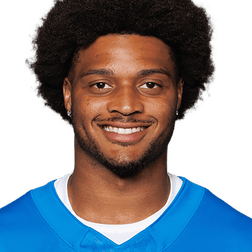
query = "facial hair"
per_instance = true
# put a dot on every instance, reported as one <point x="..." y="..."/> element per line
<point x="125" y="169"/>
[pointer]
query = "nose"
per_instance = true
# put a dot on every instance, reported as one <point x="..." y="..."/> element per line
<point x="126" y="101"/>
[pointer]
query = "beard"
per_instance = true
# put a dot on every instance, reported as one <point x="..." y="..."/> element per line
<point x="122" y="168"/>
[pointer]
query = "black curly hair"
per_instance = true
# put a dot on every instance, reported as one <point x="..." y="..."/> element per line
<point x="74" y="24"/>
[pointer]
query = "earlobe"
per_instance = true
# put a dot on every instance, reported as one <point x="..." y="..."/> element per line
<point x="180" y="92"/>
<point x="67" y="91"/>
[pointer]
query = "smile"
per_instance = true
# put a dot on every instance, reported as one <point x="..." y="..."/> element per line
<point x="123" y="131"/>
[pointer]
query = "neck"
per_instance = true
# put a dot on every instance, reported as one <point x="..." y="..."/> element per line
<point x="98" y="195"/>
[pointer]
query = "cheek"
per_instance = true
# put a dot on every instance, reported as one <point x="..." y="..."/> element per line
<point x="164" y="111"/>
<point x="162" y="108"/>
<point x="95" y="105"/>
<point x="86" y="108"/>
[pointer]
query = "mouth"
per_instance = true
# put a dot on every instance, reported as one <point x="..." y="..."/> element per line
<point x="124" y="132"/>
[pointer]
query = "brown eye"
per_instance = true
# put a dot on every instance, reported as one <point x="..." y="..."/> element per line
<point x="150" y="88"/>
<point x="149" y="85"/>
<point x="100" y="85"/>
<point x="100" y="88"/>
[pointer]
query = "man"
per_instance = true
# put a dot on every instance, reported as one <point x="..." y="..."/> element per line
<point x="122" y="73"/>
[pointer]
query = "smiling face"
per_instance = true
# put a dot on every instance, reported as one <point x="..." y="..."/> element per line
<point x="123" y="97"/>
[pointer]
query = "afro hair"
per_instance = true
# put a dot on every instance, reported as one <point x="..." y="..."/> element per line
<point x="73" y="24"/>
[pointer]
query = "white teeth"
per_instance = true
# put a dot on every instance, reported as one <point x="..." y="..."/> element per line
<point x="127" y="131"/>
<point x="134" y="130"/>
<point x="123" y="131"/>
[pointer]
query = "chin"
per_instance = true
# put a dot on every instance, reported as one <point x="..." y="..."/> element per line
<point x="125" y="166"/>
<point x="125" y="169"/>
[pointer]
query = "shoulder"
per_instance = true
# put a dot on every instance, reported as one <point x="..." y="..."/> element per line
<point x="20" y="212"/>
<point x="22" y="225"/>
<point x="225" y="217"/>
<point x="218" y="210"/>
<point x="218" y="225"/>
<point x="17" y="212"/>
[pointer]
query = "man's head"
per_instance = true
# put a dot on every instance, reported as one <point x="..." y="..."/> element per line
<point x="75" y="24"/>
<point x="123" y="66"/>
<point x="123" y="97"/>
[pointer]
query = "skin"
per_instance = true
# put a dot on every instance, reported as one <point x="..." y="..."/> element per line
<point x="113" y="86"/>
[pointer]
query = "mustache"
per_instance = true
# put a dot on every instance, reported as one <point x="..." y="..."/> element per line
<point x="122" y="119"/>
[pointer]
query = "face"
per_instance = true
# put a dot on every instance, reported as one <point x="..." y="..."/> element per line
<point x="123" y="97"/>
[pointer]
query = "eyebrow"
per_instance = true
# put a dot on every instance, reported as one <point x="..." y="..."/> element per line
<point x="145" y="72"/>
<point x="140" y="73"/>
<point x="97" y="72"/>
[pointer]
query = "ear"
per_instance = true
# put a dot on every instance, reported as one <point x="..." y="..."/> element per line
<point x="180" y="92"/>
<point x="67" y="91"/>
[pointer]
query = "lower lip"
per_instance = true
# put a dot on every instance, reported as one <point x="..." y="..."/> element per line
<point x="123" y="138"/>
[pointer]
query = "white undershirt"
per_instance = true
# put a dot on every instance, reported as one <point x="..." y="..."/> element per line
<point x="122" y="232"/>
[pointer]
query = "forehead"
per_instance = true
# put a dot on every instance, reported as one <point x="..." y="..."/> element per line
<point x="125" y="54"/>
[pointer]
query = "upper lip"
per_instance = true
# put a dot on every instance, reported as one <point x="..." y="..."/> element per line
<point x="124" y="125"/>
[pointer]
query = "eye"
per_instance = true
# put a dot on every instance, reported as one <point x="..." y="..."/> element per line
<point x="149" y="85"/>
<point x="150" y="88"/>
<point x="101" y="85"/>
<point x="100" y="88"/>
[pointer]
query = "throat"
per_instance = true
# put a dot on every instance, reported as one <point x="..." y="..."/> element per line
<point x="118" y="202"/>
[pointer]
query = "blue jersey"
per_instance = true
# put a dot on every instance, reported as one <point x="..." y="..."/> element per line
<point x="196" y="221"/>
